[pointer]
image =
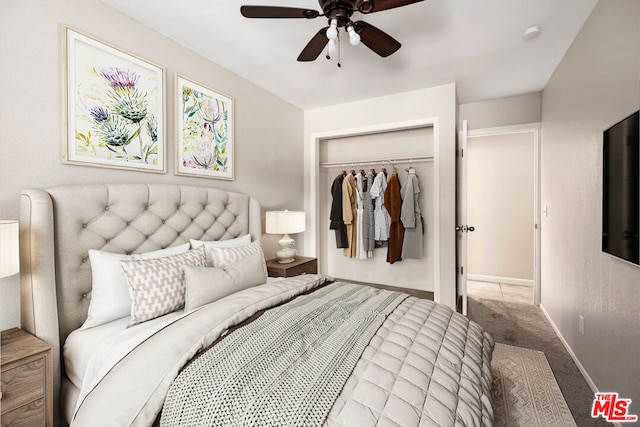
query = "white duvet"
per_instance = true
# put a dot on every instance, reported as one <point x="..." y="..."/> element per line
<point x="425" y="366"/>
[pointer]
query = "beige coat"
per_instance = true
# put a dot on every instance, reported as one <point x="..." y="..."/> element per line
<point x="350" y="213"/>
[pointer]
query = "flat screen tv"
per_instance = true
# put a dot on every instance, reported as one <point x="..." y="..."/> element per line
<point x="621" y="190"/>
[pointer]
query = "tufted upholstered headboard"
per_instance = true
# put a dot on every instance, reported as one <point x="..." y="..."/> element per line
<point x="59" y="225"/>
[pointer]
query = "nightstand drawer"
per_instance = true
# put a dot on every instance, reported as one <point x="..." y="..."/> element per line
<point x="307" y="268"/>
<point x="301" y="265"/>
<point x="22" y="384"/>
<point x="29" y="415"/>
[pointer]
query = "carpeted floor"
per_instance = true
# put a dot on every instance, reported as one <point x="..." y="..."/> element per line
<point x="524" y="325"/>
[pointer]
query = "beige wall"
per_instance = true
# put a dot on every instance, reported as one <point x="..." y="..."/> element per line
<point x="500" y="204"/>
<point x="438" y="102"/>
<point x="513" y="110"/>
<point x="595" y="86"/>
<point x="31" y="111"/>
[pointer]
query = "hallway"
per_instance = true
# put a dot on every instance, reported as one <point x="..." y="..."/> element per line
<point x="500" y="292"/>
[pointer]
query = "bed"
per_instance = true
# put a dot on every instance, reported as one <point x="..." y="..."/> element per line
<point x="297" y="351"/>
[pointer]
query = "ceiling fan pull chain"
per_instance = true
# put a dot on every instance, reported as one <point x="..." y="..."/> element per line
<point x="339" y="50"/>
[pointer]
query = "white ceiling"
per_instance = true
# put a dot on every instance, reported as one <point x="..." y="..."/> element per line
<point x="478" y="45"/>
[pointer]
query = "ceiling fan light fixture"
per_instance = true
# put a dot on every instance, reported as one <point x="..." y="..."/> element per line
<point x="331" y="47"/>
<point x="332" y="31"/>
<point x="354" y="38"/>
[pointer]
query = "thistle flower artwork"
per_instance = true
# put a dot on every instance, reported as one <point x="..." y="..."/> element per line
<point x="205" y="131"/>
<point x="114" y="107"/>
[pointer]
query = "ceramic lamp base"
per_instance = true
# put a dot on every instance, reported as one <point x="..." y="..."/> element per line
<point x="287" y="252"/>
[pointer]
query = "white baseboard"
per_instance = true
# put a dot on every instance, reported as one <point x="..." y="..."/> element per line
<point x="496" y="279"/>
<point x="583" y="371"/>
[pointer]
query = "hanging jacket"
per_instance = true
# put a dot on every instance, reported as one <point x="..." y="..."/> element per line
<point x="335" y="216"/>
<point x="412" y="246"/>
<point x="393" y="203"/>
<point x="350" y="213"/>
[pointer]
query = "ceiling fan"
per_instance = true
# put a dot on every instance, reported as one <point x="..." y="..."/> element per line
<point x="338" y="12"/>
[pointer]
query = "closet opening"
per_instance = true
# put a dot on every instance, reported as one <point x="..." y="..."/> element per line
<point x="405" y="146"/>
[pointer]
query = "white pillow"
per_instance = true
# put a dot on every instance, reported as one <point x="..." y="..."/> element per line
<point x="229" y="243"/>
<point x="110" y="299"/>
<point x="157" y="285"/>
<point x="205" y="284"/>
<point x="221" y="257"/>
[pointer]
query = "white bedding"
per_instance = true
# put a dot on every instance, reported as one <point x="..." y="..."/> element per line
<point x="82" y="343"/>
<point x="137" y="384"/>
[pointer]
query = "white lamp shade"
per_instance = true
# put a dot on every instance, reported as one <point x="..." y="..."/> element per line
<point x="9" y="249"/>
<point x="285" y="222"/>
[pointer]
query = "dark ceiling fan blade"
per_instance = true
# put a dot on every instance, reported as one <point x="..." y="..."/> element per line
<point x="277" y="12"/>
<point x="370" y="6"/>
<point x="315" y="46"/>
<point x="376" y="39"/>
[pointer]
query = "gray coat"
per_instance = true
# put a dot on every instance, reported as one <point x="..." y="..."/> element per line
<point x="411" y="218"/>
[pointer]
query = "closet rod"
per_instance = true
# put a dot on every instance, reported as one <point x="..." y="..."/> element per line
<point x="417" y="159"/>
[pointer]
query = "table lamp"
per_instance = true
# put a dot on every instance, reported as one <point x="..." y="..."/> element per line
<point x="9" y="249"/>
<point x="285" y="222"/>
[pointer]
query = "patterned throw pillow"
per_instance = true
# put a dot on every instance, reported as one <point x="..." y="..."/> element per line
<point x="222" y="257"/>
<point x="157" y="285"/>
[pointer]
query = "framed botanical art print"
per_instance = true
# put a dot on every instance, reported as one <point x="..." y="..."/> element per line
<point x="204" y="125"/>
<point x="115" y="107"/>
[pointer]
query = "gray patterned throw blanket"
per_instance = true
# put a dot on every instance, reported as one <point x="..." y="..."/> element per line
<point x="285" y="368"/>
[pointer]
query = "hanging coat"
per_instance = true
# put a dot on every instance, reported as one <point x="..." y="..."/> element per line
<point x="412" y="246"/>
<point x="335" y="217"/>
<point x="350" y="213"/>
<point x="368" y="223"/>
<point x="382" y="220"/>
<point x="393" y="203"/>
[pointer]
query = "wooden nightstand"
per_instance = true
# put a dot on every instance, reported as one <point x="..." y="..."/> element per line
<point x="302" y="265"/>
<point x="26" y="380"/>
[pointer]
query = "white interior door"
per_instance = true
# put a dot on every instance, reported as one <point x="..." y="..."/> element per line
<point x="461" y="220"/>
<point x="506" y="247"/>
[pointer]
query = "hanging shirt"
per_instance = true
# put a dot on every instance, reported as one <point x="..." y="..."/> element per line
<point x="412" y="246"/>
<point x="360" y="186"/>
<point x="382" y="219"/>
<point x="368" y="222"/>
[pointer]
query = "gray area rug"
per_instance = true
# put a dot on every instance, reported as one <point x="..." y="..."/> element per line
<point x="524" y="325"/>
<point x="524" y="391"/>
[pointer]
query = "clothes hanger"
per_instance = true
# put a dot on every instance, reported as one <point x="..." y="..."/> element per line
<point x="411" y="170"/>
<point x="384" y="169"/>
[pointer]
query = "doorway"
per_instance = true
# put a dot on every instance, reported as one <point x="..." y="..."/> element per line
<point x="502" y="199"/>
